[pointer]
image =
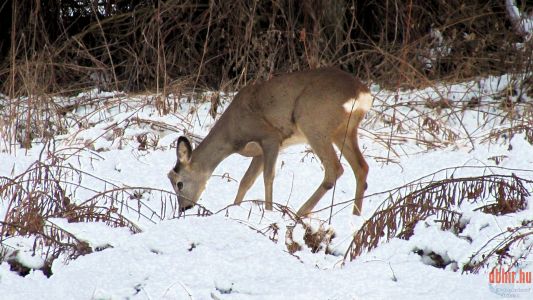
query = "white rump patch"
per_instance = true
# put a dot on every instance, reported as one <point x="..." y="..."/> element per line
<point x="363" y="102"/>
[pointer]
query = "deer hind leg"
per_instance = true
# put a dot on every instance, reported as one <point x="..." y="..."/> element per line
<point x="323" y="148"/>
<point x="347" y="142"/>
<point x="255" y="168"/>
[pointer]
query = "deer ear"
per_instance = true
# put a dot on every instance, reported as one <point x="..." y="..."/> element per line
<point x="184" y="150"/>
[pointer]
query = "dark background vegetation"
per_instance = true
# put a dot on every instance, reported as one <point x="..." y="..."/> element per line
<point x="62" y="46"/>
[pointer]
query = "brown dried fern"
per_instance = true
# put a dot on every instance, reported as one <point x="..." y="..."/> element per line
<point x="49" y="188"/>
<point x="500" y="252"/>
<point x="405" y="206"/>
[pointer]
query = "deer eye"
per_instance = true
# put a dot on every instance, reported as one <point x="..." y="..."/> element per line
<point x="179" y="185"/>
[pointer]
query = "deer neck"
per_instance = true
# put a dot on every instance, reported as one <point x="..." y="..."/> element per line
<point x="211" y="151"/>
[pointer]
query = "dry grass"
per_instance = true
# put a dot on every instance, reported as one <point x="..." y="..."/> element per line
<point x="398" y="215"/>
<point x="51" y="188"/>
<point x="497" y="250"/>
<point x="164" y="45"/>
<point x="172" y="47"/>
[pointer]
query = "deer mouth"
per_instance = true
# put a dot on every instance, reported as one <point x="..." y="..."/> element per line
<point x="184" y="204"/>
<point x="184" y="208"/>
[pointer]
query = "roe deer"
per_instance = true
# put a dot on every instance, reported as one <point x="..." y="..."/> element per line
<point x="321" y="107"/>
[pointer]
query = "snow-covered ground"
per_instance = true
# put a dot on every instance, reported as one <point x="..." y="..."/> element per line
<point x="241" y="252"/>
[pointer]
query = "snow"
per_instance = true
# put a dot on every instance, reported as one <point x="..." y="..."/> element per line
<point x="227" y="256"/>
<point x="240" y="252"/>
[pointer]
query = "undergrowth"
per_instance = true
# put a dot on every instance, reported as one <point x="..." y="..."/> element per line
<point x="175" y="50"/>
<point x="52" y="188"/>
<point x="406" y="206"/>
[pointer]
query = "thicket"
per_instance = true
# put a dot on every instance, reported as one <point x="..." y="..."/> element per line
<point x="52" y="46"/>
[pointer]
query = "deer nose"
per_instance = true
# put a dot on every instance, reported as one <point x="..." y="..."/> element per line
<point x="184" y="204"/>
<point x="184" y="208"/>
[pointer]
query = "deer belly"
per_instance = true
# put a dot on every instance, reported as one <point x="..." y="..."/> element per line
<point x="295" y="139"/>
<point x="251" y="149"/>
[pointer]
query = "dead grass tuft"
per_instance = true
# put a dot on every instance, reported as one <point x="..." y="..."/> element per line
<point x="318" y="239"/>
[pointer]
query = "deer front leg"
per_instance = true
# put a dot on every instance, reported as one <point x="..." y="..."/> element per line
<point x="256" y="166"/>
<point x="270" y="155"/>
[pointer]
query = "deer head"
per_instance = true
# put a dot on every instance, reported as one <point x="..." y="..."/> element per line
<point x="188" y="182"/>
